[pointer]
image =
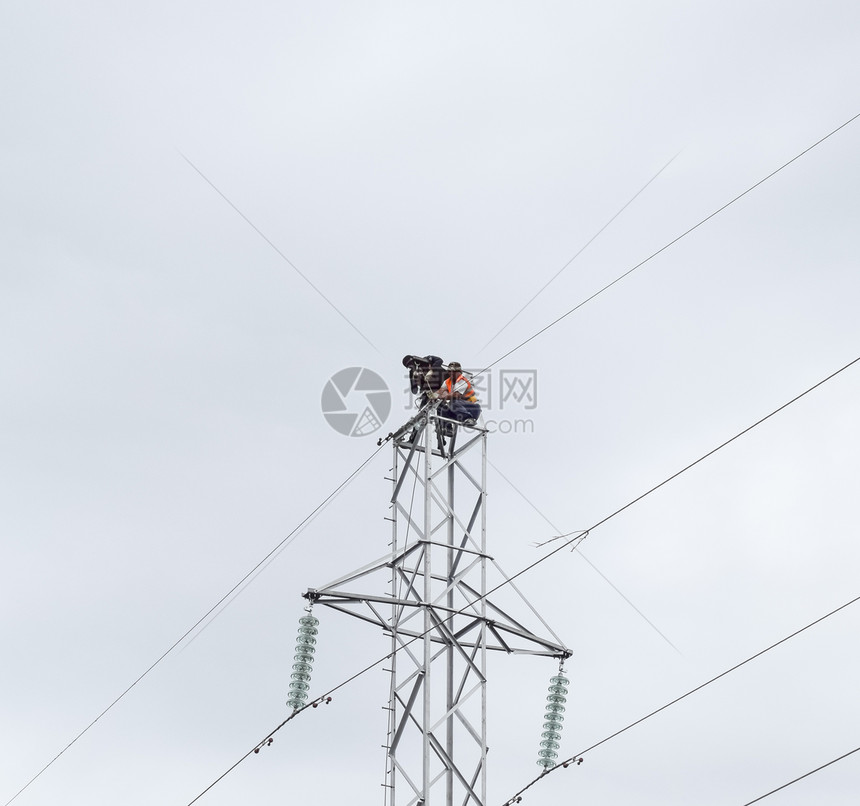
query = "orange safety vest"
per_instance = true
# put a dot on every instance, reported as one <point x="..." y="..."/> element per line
<point x="469" y="394"/>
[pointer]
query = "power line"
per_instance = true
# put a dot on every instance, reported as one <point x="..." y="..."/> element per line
<point x="718" y="448"/>
<point x="576" y="539"/>
<point x="267" y="741"/>
<point x="800" y="778"/>
<point x="279" y="547"/>
<point x="289" y="262"/>
<point x="567" y="762"/>
<point x="582" y="556"/>
<point x="582" y="535"/>
<point x="578" y="253"/>
<point x="671" y="243"/>
<point x="574" y="542"/>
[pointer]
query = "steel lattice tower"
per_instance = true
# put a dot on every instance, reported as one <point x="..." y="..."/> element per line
<point x="438" y="615"/>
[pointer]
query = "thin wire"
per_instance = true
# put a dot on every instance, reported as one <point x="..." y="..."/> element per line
<point x="280" y="546"/>
<point x="374" y="664"/>
<point x="805" y="775"/>
<point x="575" y="758"/>
<point x="581" y="250"/>
<point x="718" y="448"/>
<point x="581" y="555"/>
<point x="269" y="559"/>
<point x="579" y="538"/>
<point x="671" y="243"/>
<point x="264" y="743"/>
<point x="289" y="262"/>
<point x="574" y="543"/>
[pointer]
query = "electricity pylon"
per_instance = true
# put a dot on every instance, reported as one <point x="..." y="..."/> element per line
<point x="437" y="613"/>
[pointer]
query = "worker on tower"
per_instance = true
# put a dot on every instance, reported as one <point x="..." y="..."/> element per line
<point x="459" y="401"/>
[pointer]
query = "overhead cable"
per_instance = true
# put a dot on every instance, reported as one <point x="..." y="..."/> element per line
<point x="666" y="246"/>
<point x="578" y="253"/>
<point x="573" y="542"/>
<point x="264" y="743"/>
<point x="289" y="262"/>
<point x="505" y="355"/>
<point x="712" y="452"/>
<point x="575" y="758"/>
<point x="581" y="554"/>
<point x="279" y="547"/>
<point x="801" y="777"/>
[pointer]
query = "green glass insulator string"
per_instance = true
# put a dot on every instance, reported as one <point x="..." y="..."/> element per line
<point x="553" y="720"/>
<point x="300" y="679"/>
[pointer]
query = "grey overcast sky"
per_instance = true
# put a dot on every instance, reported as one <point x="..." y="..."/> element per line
<point x="427" y="167"/>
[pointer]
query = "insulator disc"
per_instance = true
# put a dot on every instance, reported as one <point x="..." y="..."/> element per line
<point x="547" y="753"/>
<point x="543" y="762"/>
<point x="306" y="652"/>
<point x="557" y="690"/>
<point x="550" y="744"/>
<point x="305" y="678"/>
<point x="559" y="680"/>
<point x="551" y="717"/>
<point x="309" y="621"/>
<point x="556" y="698"/>
<point x="298" y="685"/>
<point x="555" y="727"/>
<point x="555" y="708"/>
<point x="303" y="667"/>
<point x="298" y="696"/>
<point x="308" y="628"/>
<point x="305" y="640"/>
<point x="551" y="734"/>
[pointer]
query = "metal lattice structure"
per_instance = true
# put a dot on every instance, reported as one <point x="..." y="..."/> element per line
<point x="437" y="613"/>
